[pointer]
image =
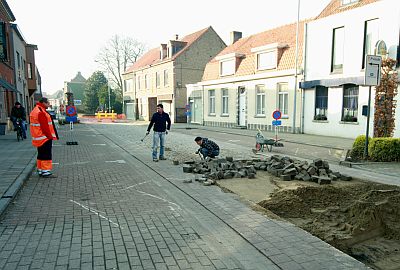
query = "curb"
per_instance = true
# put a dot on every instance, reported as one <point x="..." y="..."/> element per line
<point x="12" y="191"/>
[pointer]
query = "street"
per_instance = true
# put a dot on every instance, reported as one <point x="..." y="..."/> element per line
<point x="111" y="207"/>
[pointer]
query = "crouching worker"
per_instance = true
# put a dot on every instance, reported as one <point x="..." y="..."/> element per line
<point x="208" y="148"/>
<point x="43" y="133"/>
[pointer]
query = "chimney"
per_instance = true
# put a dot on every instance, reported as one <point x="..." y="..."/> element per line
<point x="163" y="51"/>
<point x="176" y="37"/>
<point x="235" y="36"/>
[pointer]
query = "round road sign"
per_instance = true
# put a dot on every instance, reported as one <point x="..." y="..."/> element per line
<point x="277" y="114"/>
<point x="71" y="111"/>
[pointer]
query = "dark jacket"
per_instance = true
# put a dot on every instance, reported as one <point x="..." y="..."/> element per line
<point x="160" y="120"/>
<point x="209" y="144"/>
<point x="18" y="112"/>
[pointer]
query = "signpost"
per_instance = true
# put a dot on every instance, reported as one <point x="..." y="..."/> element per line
<point x="276" y="115"/>
<point x="372" y="77"/>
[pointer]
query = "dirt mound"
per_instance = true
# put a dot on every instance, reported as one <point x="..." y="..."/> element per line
<point x="354" y="218"/>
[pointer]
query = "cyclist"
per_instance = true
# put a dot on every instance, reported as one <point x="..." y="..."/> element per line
<point x="18" y="112"/>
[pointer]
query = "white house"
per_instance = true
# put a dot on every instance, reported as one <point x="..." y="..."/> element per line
<point x="336" y="44"/>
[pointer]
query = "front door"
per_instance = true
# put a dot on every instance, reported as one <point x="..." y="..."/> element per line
<point x="197" y="110"/>
<point x="242" y="106"/>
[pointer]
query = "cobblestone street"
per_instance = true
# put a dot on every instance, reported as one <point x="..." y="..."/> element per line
<point x="108" y="210"/>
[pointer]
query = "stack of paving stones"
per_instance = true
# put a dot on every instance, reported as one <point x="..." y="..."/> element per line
<point x="284" y="167"/>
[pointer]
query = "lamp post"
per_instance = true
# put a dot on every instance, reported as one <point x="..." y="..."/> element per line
<point x="295" y="68"/>
<point x="109" y="92"/>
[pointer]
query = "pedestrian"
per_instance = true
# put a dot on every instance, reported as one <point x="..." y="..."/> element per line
<point x="43" y="133"/>
<point x="208" y="148"/>
<point x="18" y="113"/>
<point x="162" y="124"/>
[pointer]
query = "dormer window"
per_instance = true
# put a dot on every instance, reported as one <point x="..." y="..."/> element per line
<point x="227" y="67"/>
<point x="227" y="63"/>
<point x="267" y="56"/>
<point x="348" y="2"/>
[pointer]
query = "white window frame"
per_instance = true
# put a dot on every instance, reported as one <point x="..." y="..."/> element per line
<point x="225" y="101"/>
<point x="158" y="79"/>
<point x="284" y="93"/>
<point x="371" y="37"/>
<point x="146" y="81"/>
<point x="260" y="94"/>
<point x="348" y="2"/>
<point x="165" y="77"/>
<point x="271" y="58"/>
<point x="227" y="67"/>
<point x="138" y="82"/>
<point x="211" y="102"/>
<point x="338" y="49"/>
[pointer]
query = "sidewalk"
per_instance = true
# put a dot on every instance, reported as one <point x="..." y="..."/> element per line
<point x="17" y="160"/>
<point x="111" y="207"/>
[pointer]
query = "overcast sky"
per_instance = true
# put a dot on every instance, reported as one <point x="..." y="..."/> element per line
<point x="70" y="33"/>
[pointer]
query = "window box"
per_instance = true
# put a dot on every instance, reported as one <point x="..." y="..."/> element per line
<point x="320" y="117"/>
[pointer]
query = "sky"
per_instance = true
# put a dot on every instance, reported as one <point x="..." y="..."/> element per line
<point x="70" y="33"/>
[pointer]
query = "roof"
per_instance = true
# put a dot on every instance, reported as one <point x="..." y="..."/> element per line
<point x="335" y="6"/>
<point x="8" y="11"/>
<point x="153" y="56"/>
<point x="285" y="34"/>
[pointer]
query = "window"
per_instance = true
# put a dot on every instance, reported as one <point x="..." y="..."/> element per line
<point x="266" y="60"/>
<point x="30" y="74"/>
<point x="371" y="36"/>
<point x="338" y="49"/>
<point x="128" y="85"/>
<point x="165" y="77"/>
<point x="348" y="2"/>
<point x="146" y="81"/>
<point x="350" y="103"/>
<point x="225" y="101"/>
<point x="283" y="98"/>
<point x="138" y="82"/>
<point x="227" y="67"/>
<point x="211" y="101"/>
<point x="260" y="100"/>
<point x="18" y="60"/>
<point x="3" y="43"/>
<point x="158" y="79"/>
<point x="321" y="103"/>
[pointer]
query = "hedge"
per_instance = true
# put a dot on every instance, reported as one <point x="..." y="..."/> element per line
<point x="379" y="149"/>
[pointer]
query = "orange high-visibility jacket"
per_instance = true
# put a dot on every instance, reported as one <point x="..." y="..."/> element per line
<point x="38" y="136"/>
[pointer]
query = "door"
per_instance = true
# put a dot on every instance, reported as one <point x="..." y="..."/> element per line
<point x="196" y="110"/>
<point x="129" y="110"/>
<point x="242" y="106"/>
<point x="152" y="107"/>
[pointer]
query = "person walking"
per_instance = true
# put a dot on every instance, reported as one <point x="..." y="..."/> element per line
<point x="18" y="113"/>
<point x="162" y="124"/>
<point x="208" y="148"/>
<point x="43" y="133"/>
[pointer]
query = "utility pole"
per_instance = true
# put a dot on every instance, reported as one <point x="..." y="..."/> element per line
<point x="295" y="68"/>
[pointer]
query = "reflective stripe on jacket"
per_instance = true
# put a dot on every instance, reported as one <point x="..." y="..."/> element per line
<point x="38" y="136"/>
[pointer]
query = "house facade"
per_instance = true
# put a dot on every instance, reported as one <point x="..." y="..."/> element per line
<point x="249" y="80"/>
<point x="161" y="75"/>
<point x="77" y="87"/>
<point x="334" y="91"/>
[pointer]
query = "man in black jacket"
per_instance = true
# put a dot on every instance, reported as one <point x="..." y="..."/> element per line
<point x="208" y="148"/>
<point x="18" y="112"/>
<point x="160" y="119"/>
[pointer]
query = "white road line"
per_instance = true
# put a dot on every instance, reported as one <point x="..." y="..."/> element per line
<point x="135" y="185"/>
<point x="97" y="213"/>
<point x="297" y="150"/>
<point x="154" y="196"/>
<point x="234" y="141"/>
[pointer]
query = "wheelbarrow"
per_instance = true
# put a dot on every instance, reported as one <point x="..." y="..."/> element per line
<point x="262" y="143"/>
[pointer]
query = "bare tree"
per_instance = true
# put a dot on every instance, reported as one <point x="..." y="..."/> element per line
<point x="118" y="54"/>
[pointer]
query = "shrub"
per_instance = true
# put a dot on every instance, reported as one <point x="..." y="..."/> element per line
<point x="357" y="151"/>
<point x="384" y="149"/>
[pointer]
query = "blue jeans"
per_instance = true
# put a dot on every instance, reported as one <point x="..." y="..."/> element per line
<point x="207" y="153"/>
<point x="23" y="125"/>
<point x="158" y="136"/>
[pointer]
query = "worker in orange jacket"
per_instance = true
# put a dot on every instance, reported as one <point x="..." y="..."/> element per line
<point x="43" y="133"/>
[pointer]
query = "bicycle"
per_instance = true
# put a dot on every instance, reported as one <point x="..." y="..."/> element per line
<point x="20" y="134"/>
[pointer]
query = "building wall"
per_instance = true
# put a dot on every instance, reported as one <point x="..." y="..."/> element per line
<point x="20" y="70"/>
<point x="318" y="63"/>
<point x="253" y="120"/>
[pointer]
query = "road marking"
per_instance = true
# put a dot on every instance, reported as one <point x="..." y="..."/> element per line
<point x="234" y="141"/>
<point x="56" y="163"/>
<point x="116" y="161"/>
<point x="102" y="144"/>
<point x="97" y="213"/>
<point x="134" y="185"/>
<point x="297" y="150"/>
<point x="154" y="196"/>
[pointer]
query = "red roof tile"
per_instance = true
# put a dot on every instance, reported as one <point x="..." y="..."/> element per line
<point x="285" y="34"/>
<point x="153" y="56"/>
<point x="335" y="6"/>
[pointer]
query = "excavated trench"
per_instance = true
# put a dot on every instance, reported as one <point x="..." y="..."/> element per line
<point x="361" y="219"/>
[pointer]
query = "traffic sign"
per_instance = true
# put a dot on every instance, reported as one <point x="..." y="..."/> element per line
<point x="277" y="114"/>
<point x="78" y="102"/>
<point x="71" y="110"/>
<point x="187" y="107"/>
<point x="276" y="122"/>
<point x="372" y="75"/>
<point x="188" y="113"/>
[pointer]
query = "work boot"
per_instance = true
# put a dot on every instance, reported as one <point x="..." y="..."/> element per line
<point x="162" y="158"/>
<point x="155" y="160"/>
